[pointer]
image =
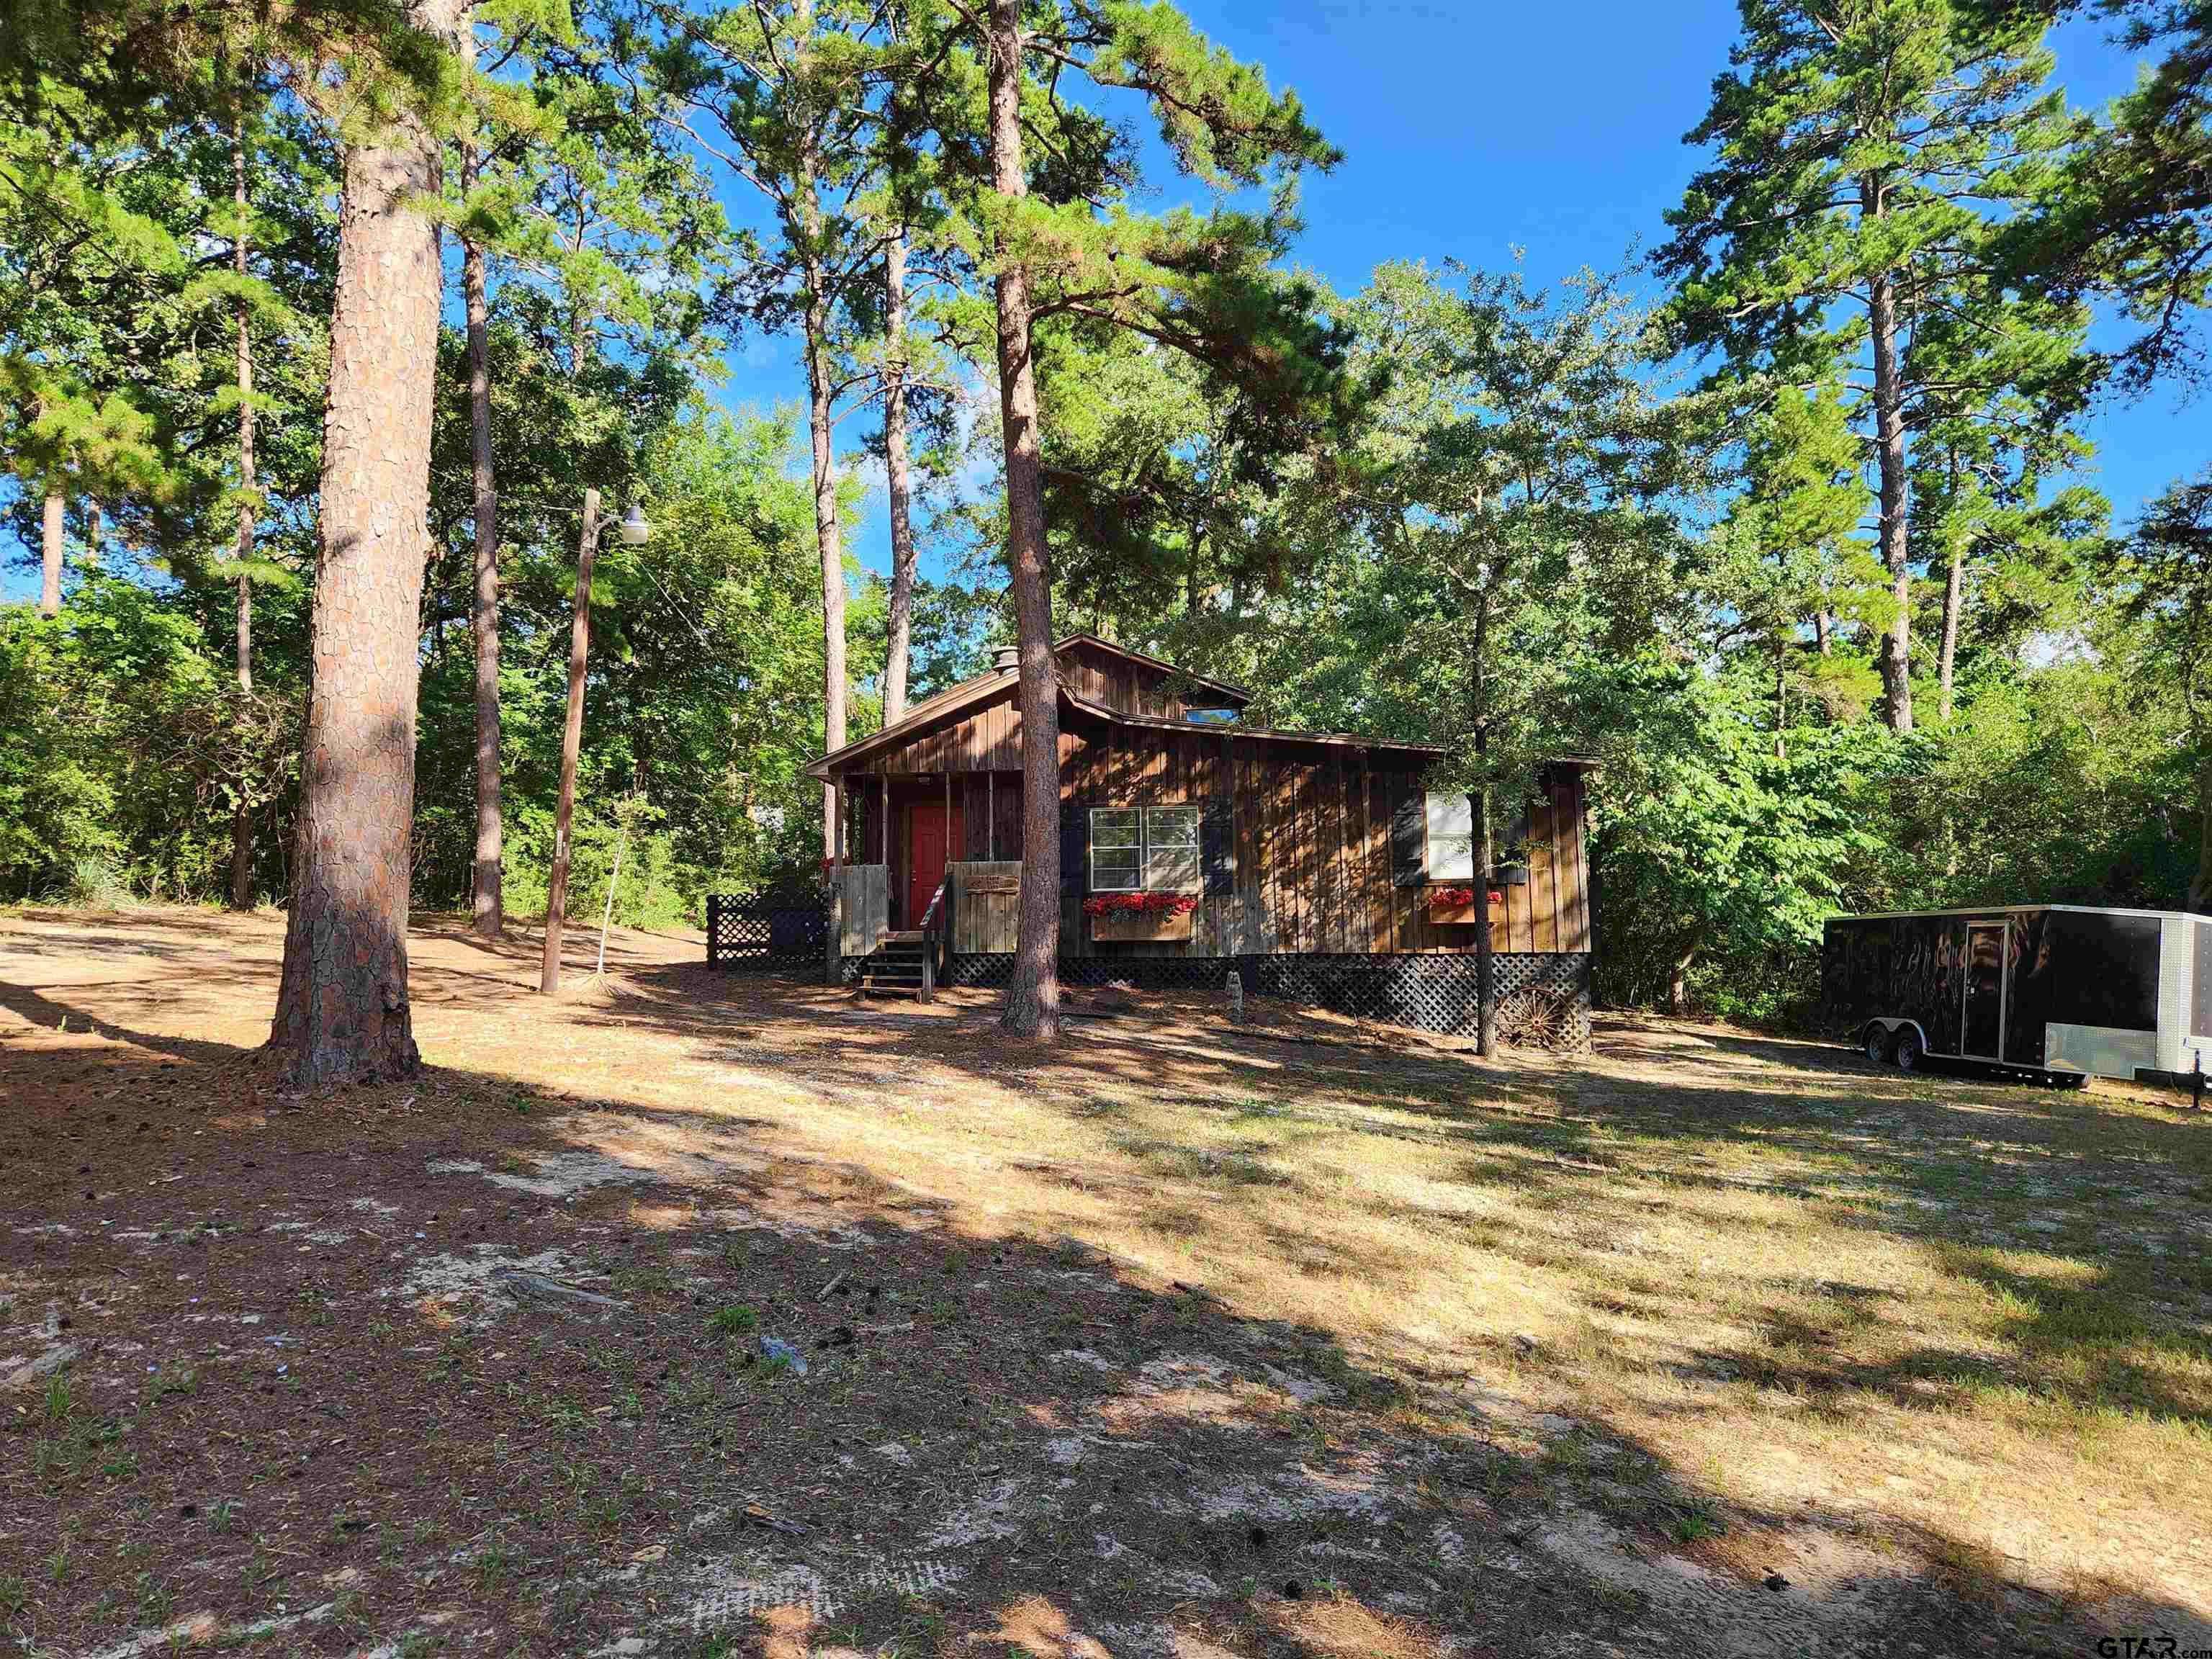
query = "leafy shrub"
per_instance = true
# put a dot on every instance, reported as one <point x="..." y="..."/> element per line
<point x="96" y="884"/>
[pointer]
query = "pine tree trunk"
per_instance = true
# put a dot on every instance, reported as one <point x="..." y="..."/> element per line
<point x="1781" y="694"/>
<point x="1032" y="1004"/>
<point x="1955" y="588"/>
<point x="2200" y="884"/>
<point x="50" y="548"/>
<point x="95" y="528"/>
<point x="572" y="747"/>
<point x="1486" y="953"/>
<point x="1823" y="627"/>
<point x="342" y="1010"/>
<point x="241" y="815"/>
<point x="1890" y="460"/>
<point x="490" y="910"/>
<point x="899" y="632"/>
<point x="1485" y="956"/>
<point x="827" y="537"/>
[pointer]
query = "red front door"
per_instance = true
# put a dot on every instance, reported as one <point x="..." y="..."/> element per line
<point x="934" y="834"/>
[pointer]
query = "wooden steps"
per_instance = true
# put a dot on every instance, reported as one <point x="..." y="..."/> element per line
<point x="898" y="966"/>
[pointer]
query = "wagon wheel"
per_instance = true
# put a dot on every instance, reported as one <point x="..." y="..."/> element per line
<point x="1534" y="1017"/>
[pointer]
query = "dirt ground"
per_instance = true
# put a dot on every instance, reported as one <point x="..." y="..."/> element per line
<point x="699" y="1314"/>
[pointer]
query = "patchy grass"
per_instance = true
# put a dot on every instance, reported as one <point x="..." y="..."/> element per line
<point x="1300" y="1339"/>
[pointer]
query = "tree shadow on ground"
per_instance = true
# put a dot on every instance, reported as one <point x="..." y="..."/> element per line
<point x="1004" y="1442"/>
<point x="1901" y="1145"/>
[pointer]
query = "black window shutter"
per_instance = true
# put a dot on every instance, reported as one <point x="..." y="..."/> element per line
<point x="1409" y="839"/>
<point x="1074" y="847"/>
<point x="1218" y="846"/>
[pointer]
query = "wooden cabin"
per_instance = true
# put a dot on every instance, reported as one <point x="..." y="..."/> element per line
<point x="1318" y="864"/>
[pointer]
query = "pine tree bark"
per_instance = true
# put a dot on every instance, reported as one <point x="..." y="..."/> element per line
<point x="1954" y="593"/>
<point x="2200" y="884"/>
<point x="342" y="1012"/>
<point x="1486" y="953"/>
<point x="1890" y="461"/>
<point x="1032" y="1004"/>
<point x="815" y="281"/>
<point x="572" y="749"/>
<point x="50" y="548"/>
<point x="241" y="814"/>
<point x="1781" y="694"/>
<point x="900" y="626"/>
<point x="1486" y="957"/>
<point x="489" y="911"/>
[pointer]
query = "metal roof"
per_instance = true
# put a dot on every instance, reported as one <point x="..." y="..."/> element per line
<point x="2015" y="909"/>
<point x="1225" y="686"/>
<point x="1263" y="734"/>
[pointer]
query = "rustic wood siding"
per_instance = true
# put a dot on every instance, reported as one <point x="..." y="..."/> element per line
<point x="1309" y="834"/>
<point x="1132" y="687"/>
<point x="868" y="908"/>
<point x="1311" y="841"/>
<point x="986" y="906"/>
<point x="988" y="740"/>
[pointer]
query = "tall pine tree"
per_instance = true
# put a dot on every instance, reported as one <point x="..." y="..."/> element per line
<point x="1863" y="151"/>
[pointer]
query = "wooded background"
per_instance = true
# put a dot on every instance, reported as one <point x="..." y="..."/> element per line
<point x="1792" y="529"/>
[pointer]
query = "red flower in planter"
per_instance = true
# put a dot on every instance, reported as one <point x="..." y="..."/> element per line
<point x="1450" y="898"/>
<point x="1156" y="904"/>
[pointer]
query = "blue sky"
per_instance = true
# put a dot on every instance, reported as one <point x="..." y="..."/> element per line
<point x="1470" y="131"/>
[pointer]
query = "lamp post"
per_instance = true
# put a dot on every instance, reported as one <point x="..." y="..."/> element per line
<point x="633" y="530"/>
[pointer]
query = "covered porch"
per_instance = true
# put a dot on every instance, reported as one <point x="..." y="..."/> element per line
<point x="916" y="875"/>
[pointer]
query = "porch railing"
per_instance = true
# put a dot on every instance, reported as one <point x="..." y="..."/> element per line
<point x="934" y="930"/>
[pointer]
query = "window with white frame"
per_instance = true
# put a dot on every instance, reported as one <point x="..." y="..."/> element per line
<point x="1451" y="837"/>
<point x="1150" y="849"/>
<point x="1171" y="864"/>
<point x="1117" y="850"/>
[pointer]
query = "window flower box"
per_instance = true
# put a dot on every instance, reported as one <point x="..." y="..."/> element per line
<point x="1454" y="907"/>
<point x="1134" y="916"/>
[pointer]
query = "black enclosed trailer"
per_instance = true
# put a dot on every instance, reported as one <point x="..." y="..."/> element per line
<point x="2055" y="989"/>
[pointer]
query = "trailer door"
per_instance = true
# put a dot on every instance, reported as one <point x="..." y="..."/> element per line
<point x="1982" y="1017"/>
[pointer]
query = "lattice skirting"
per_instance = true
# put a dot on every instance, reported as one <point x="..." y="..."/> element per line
<point x="767" y="931"/>
<point x="1152" y="973"/>
<point x="1543" y="1000"/>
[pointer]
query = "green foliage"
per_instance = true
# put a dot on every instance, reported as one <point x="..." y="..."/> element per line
<point x="123" y="750"/>
<point x="2130" y="215"/>
<point x="1723" y="851"/>
<point x="1453" y="507"/>
<point x="1862" y="144"/>
<point x="704" y="697"/>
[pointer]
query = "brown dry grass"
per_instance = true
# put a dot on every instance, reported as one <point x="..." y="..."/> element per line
<point x="1487" y="1352"/>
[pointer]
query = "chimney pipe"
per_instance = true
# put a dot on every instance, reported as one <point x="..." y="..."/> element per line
<point x="1007" y="659"/>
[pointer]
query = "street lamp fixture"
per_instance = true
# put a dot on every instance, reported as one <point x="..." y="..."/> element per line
<point x="635" y="529"/>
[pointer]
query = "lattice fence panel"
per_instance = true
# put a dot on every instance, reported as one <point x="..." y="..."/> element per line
<point x="1146" y="973"/>
<point x="985" y="969"/>
<point x="1543" y="1000"/>
<point x="766" y="931"/>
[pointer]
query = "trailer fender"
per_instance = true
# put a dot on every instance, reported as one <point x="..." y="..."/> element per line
<point x="1878" y="1037"/>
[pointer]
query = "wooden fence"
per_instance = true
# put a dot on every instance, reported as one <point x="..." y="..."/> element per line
<point x="868" y="908"/>
<point x="987" y="907"/>
<point x="766" y="931"/>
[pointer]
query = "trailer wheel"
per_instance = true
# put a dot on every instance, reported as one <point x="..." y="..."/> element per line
<point x="1877" y="1045"/>
<point x="1908" y="1051"/>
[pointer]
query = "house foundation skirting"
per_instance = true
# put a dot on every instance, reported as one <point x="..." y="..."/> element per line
<point x="1543" y="998"/>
